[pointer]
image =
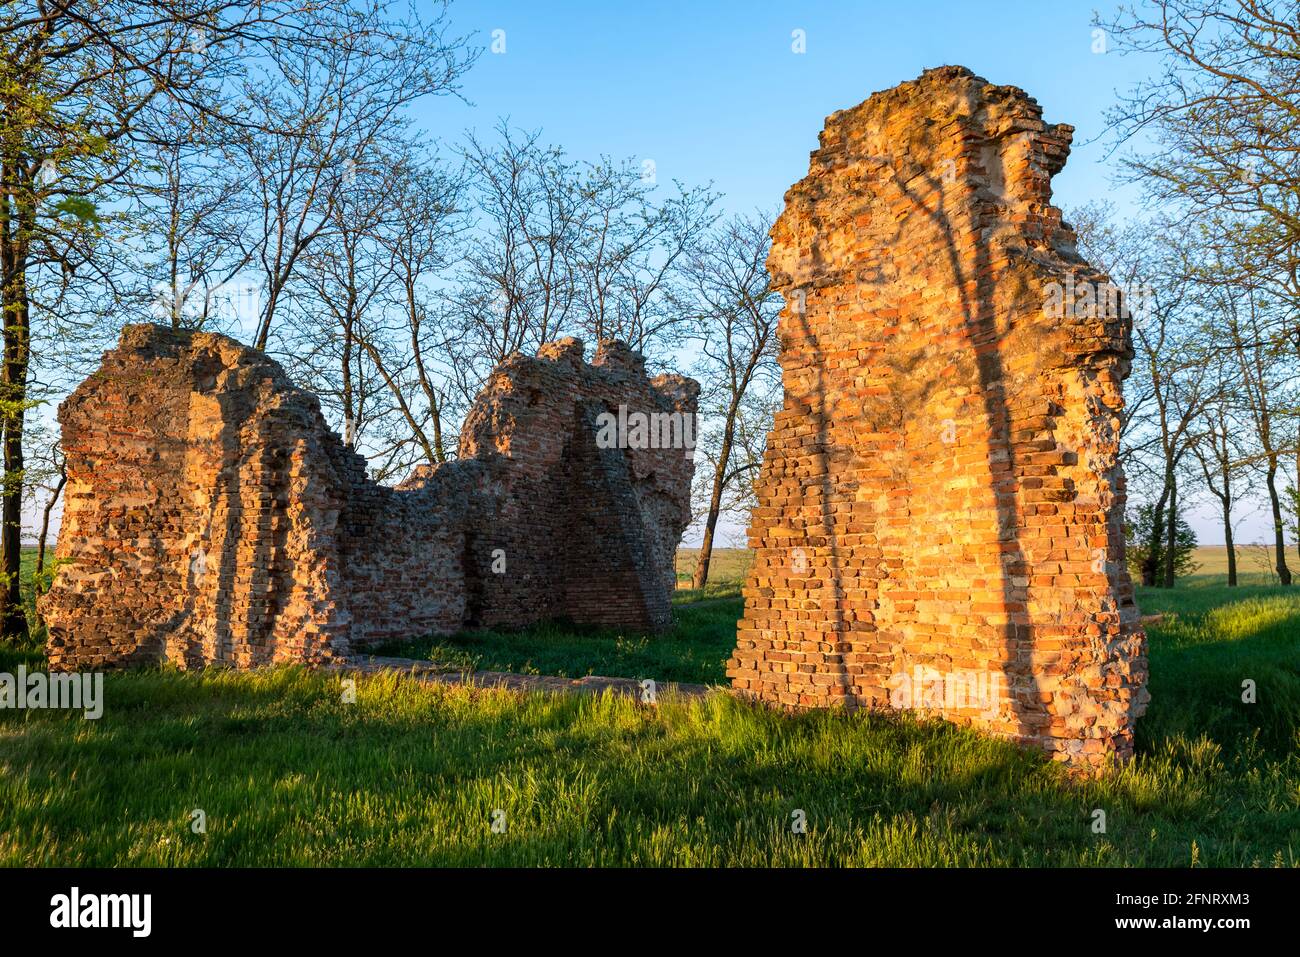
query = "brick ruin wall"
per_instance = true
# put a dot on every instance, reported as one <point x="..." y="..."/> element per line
<point x="939" y="518"/>
<point x="212" y="516"/>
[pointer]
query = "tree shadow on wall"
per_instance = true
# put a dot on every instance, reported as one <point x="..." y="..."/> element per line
<point x="984" y="345"/>
<point x="202" y="621"/>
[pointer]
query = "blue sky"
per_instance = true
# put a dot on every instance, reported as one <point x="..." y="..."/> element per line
<point x="713" y="92"/>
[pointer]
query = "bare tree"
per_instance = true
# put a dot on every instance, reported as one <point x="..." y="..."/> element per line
<point x="517" y="286"/>
<point x="1261" y="388"/>
<point x="1219" y="453"/>
<point x="1224" y="113"/>
<point x="183" y="237"/>
<point x="1224" y="109"/>
<point x="563" y="247"/>
<point x="735" y="311"/>
<point x="342" y="277"/>
<point x="630" y="252"/>
<point x="94" y="96"/>
<point x="419" y="241"/>
<point x="317" y="115"/>
<point x="1155" y="263"/>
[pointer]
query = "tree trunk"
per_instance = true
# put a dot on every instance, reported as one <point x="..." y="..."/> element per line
<point x="1232" y="551"/>
<point x="13" y="619"/>
<point x="1279" y="526"/>
<point x="349" y="420"/>
<point x="1227" y="542"/>
<point x="701" y="577"/>
<point x="1171" y="538"/>
<point x="1226" y="501"/>
<point x="1151" y="563"/>
<point x="439" y="451"/>
<point x="45" y="528"/>
<point x="16" y="224"/>
<point x="264" y="330"/>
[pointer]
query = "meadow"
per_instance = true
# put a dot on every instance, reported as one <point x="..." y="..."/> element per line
<point x="285" y="772"/>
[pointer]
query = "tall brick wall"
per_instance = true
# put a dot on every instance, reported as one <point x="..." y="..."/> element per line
<point x="939" y="523"/>
<point x="212" y="516"/>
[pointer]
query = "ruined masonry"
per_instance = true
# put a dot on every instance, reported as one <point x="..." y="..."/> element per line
<point x="212" y="516"/>
<point x="939" y="524"/>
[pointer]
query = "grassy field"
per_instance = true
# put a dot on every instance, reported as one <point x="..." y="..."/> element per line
<point x="1254" y="565"/>
<point x="726" y="572"/>
<point x="287" y="773"/>
<point x="694" y="651"/>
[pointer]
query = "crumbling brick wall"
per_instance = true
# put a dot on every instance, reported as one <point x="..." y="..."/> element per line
<point x="585" y="533"/>
<point x="939" y="518"/>
<point x="212" y="516"/>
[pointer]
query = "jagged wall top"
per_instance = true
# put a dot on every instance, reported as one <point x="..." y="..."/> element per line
<point x="941" y="492"/>
<point x="213" y="516"/>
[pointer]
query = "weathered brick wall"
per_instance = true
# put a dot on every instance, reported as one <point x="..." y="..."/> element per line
<point x="939" y="523"/>
<point x="212" y="516"/>
<point x="197" y="489"/>
<point x="586" y="533"/>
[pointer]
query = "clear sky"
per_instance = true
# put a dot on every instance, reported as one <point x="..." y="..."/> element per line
<point x="715" y="92"/>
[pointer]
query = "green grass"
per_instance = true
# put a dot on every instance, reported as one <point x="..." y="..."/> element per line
<point x="727" y="569"/>
<point x="693" y="652"/>
<point x="30" y="651"/>
<point x="411" y="774"/>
